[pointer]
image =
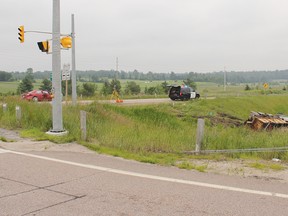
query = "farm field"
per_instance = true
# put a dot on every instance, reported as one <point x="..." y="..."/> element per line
<point x="204" y="88"/>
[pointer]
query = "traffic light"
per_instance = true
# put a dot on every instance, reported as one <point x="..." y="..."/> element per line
<point x="44" y="46"/>
<point x="66" y="42"/>
<point x="21" y="34"/>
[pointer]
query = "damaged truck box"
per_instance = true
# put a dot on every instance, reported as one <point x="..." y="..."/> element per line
<point x="258" y="121"/>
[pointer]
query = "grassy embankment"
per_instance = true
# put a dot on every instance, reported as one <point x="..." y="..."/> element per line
<point x="157" y="133"/>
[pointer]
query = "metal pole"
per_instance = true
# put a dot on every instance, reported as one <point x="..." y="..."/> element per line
<point x="74" y="92"/>
<point x="56" y="70"/>
<point x="224" y="78"/>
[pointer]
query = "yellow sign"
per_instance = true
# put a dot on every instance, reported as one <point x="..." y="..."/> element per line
<point x="266" y="85"/>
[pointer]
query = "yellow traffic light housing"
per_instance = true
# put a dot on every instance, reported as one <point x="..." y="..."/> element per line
<point x="21" y="34"/>
<point x="66" y="42"/>
<point x="44" y="46"/>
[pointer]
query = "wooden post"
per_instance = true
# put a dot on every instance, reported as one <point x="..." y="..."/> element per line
<point x="4" y="107"/>
<point x="83" y="124"/>
<point x="66" y="93"/>
<point x="18" y="113"/>
<point x="199" y="135"/>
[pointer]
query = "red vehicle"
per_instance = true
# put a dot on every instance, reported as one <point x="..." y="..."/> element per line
<point x="38" y="95"/>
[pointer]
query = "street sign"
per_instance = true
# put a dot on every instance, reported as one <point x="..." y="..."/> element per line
<point x="66" y="72"/>
<point x="266" y="85"/>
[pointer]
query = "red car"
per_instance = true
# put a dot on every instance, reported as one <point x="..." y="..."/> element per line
<point x="38" y="95"/>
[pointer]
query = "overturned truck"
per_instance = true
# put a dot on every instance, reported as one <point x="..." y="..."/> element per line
<point x="258" y="121"/>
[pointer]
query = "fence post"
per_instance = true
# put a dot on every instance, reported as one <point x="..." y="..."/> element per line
<point x="4" y="107"/>
<point x="83" y="124"/>
<point x="18" y="113"/>
<point x="199" y="135"/>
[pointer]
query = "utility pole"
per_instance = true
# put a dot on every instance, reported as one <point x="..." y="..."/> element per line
<point x="224" y="78"/>
<point x="56" y="72"/>
<point x="74" y="93"/>
<point x="116" y="64"/>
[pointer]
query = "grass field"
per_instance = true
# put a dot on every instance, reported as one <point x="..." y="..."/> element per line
<point x="204" y="88"/>
<point x="157" y="133"/>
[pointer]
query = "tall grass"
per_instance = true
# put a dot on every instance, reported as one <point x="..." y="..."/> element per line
<point x="164" y="128"/>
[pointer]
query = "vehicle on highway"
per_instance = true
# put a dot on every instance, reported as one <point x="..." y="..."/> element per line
<point x="181" y="92"/>
<point x="38" y="95"/>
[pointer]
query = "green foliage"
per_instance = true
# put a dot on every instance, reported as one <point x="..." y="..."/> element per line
<point x="27" y="83"/>
<point x="132" y="88"/>
<point x="190" y="83"/>
<point x="4" y="76"/>
<point x="247" y="87"/>
<point x="88" y="89"/>
<point x="46" y="85"/>
<point x="25" y="86"/>
<point x="3" y="139"/>
<point x="151" y="133"/>
<point x="187" y="165"/>
<point x="29" y="75"/>
<point x="266" y="166"/>
<point x="108" y="87"/>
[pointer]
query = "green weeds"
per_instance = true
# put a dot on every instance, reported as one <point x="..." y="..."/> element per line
<point x="157" y="133"/>
<point x="266" y="166"/>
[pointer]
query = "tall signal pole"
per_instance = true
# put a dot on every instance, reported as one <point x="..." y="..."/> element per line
<point x="56" y="71"/>
<point x="225" y="79"/>
<point x="74" y="93"/>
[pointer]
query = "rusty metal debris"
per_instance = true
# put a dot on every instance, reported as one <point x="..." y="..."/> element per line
<point x="258" y="120"/>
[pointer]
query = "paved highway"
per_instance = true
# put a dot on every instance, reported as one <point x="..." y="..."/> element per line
<point x="65" y="180"/>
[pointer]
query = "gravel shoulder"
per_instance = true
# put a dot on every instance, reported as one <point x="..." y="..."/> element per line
<point x="237" y="167"/>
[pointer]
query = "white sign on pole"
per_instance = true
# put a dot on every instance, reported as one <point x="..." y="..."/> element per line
<point x="66" y="72"/>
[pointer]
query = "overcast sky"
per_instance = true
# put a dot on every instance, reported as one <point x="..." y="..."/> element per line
<point x="151" y="35"/>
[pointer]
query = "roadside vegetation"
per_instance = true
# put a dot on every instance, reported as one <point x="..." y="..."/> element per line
<point x="158" y="133"/>
<point x="154" y="133"/>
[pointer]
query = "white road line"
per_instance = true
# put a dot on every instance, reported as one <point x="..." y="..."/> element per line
<point x="3" y="151"/>
<point x="140" y="175"/>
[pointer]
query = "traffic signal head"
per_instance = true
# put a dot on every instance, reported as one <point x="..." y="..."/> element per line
<point x="66" y="42"/>
<point x="21" y="34"/>
<point x="44" y="46"/>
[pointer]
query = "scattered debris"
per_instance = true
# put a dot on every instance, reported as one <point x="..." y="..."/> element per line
<point x="258" y="120"/>
<point x="222" y="119"/>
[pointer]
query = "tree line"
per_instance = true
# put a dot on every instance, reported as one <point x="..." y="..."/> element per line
<point x="216" y="77"/>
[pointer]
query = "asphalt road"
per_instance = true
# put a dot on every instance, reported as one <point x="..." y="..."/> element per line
<point x="80" y="182"/>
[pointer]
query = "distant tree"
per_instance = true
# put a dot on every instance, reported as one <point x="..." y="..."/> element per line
<point x="88" y="89"/>
<point x="4" y="76"/>
<point x="115" y="85"/>
<point x="109" y="87"/>
<point x="247" y="87"/>
<point x="132" y="88"/>
<point x="190" y="83"/>
<point x="151" y="90"/>
<point x="25" y="85"/>
<point x="46" y="85"/>
<point x="165" y="87"/>
<point x="106" y="88"/>
<point x="69" y="87"/>
<point x="29" y="75"/>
